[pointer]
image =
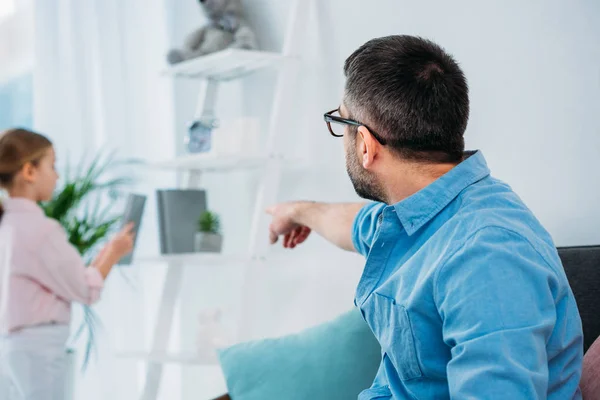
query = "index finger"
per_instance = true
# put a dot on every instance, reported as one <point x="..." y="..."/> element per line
<point x="128" y="227"/>
<point x="273" y="237"/>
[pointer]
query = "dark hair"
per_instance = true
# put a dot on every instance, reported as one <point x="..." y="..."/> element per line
<point x="412" y="93"/>
<point x="17" y="148"/>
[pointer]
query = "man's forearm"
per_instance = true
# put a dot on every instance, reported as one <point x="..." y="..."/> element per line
<point x="333" y="221"/>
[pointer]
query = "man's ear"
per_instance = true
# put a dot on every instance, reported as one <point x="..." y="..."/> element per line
<point x="369" y="147"/>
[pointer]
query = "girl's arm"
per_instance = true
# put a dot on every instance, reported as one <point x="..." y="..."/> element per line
<point x="62" y="270"/>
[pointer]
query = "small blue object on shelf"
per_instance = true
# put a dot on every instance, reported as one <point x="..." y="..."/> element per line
<point x="199" y="137"/>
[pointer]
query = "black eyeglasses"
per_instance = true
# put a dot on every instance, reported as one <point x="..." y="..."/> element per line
<point x="338" y="122"/>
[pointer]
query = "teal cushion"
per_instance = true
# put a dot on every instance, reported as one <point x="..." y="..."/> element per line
<point x="335" y="360"/>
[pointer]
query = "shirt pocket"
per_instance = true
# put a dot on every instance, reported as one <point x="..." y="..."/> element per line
<point x="396" y="337"/>
<point x="379" y="393"/>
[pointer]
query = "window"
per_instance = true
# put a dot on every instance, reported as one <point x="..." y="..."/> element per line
<point x="16" y="102"/>
<point x="16" y="62"/>
<point x="7" y="7"/>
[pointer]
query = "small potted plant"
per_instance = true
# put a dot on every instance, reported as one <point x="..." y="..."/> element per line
<point x="208" y="238"/>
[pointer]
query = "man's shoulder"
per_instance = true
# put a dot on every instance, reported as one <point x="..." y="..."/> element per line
<point x="492" y="205"/>
<point x="493" y="211"/>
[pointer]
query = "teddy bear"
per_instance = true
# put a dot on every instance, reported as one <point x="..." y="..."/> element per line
<point x="226" y="28"/>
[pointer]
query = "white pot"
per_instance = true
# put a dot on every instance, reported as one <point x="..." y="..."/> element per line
<point x="237" y="136"/>
<point x="208" y="242"/>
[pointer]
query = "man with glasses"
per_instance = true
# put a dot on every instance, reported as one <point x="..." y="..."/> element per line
<point x="462" y="285"/>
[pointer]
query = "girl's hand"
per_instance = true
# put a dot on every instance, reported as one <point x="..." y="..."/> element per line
<point x="122" y="243"/>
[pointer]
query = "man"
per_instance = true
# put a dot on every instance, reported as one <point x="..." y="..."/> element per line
<point x="462" y="286"/>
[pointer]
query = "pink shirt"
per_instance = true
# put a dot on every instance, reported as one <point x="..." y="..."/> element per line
<point x="41" y="273"/>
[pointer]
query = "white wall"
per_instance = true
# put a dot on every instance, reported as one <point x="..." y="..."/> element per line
<point x="535" y="91"/>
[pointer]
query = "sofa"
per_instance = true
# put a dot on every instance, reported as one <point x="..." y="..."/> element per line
<point x="582" y="266"/>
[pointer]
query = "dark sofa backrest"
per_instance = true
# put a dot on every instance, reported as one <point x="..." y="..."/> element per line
<point x="582" y="266"/>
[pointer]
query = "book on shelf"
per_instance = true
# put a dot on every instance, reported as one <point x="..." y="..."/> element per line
<point x="178" y="214"/>
<point x="134" y="211"/>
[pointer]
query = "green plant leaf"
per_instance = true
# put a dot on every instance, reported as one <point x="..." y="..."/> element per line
<point x="209" y="222"/>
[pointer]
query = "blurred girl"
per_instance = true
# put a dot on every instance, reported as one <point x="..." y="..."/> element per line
<point x="40" y="272"/>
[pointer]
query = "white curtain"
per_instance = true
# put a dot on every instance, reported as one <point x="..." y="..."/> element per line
<point x="96" y="76"/>
<point x="97" y="85"/>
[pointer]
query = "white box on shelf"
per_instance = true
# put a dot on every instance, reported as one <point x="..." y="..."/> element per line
<point x="240" y="136"/>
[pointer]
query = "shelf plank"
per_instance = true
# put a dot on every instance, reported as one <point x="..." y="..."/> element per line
<point x="199" y="259"/>
<point x="224" y="65"/>
<point x="204" y="162"/>
<point x="186" y="358"/>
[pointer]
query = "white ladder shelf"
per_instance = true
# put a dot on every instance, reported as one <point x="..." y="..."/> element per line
<point x="211" y="70"/>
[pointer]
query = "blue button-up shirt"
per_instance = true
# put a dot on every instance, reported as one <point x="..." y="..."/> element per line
<point x="466" y="294"/>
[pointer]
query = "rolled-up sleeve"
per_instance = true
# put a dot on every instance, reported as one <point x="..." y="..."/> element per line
<point x="365" y="226"/>
<point x="62" y="270"/>
<point x="495" y="297"/>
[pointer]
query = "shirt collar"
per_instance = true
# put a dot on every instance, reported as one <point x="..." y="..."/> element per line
<point x="19" y="204"/>
<point x="420" y="208"/>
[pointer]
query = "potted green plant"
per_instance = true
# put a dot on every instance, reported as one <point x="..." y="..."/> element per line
<point x="208" y="238"/>
<point x="82" y="205"/>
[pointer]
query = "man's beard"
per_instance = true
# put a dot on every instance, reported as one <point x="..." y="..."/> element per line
<point x="365" y="184"/>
